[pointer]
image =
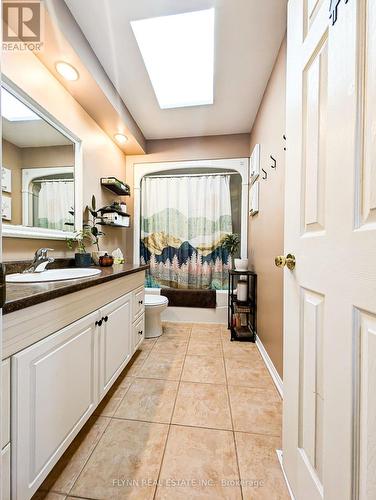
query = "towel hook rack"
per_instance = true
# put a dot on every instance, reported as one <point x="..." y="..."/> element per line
<point x="274" y="162"/>
<point x="265" y="174"/>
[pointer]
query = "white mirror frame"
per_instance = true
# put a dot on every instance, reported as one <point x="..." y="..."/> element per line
<point x="20" y="231"/>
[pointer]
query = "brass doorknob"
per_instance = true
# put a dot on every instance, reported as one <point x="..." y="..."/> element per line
<point x="288" y="261"/>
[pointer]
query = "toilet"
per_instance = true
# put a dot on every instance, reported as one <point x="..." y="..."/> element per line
<point x="154" y="307"/>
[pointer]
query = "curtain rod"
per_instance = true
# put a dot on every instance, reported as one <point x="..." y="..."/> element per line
<point x="189" y="175"/>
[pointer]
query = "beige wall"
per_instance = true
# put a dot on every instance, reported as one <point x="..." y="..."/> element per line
<point x="189" y="148"/>
<point x="12" y="159"/>
<point x="101" y="156"/>
<point x="266" y="228"/>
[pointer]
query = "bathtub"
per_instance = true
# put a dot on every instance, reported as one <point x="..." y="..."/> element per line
<point x="196" y="314"/>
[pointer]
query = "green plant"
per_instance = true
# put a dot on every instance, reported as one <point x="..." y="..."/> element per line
<point x="92" y="225"/>
<point x="79" y="240"/>
<point x="231" y="243"/>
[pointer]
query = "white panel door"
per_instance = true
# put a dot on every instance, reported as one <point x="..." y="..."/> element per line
<point x="115" y="340"/>
<point x="54" y="391"/>
<point x="329" y="422"/>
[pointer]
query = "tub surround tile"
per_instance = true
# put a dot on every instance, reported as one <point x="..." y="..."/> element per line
<point x="256" y="410"/>
<point x="202" y="405"/>
<point x="70" y="465"/>
<point x="260" y="470"/>
<point x="200" y="462"/>
<point x="126" y="462"/>
<point x="149" y="400"/>
<point x="207" y="369"/>
<point x="167" y="366"/>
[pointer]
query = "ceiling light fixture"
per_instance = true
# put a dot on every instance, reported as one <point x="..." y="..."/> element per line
<point x="121" y="138"/>
<point x="178" y="53"/>
<point x="67" y="71"/>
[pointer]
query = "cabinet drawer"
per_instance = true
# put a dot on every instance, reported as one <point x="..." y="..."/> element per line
<point x="138" y="332"/>
<point x="138" y="298"/>
<point x="5" y="402"/>
<point x="5" y="473"/>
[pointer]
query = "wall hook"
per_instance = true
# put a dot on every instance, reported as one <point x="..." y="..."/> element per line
<point x="265" y="174"/>
<point x="274" y="162"/>
<point x="284" y="138"/>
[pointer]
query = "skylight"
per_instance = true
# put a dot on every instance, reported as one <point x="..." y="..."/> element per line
<point x="14" y="110"/>
<point x="178" y="53"/>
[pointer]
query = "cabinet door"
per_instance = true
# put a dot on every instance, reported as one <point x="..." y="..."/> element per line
<point x="54" y="391"/>
<point x="138" y="332"/>
<point x="5" y="473"/>
<point x="138" y="302"/>
<point x="115" y="341"/>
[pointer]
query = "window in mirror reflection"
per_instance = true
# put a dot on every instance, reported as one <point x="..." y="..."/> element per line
<point x="38" y="169"/>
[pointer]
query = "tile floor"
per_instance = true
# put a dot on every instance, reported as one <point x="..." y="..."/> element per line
<point x="193" y="416"/>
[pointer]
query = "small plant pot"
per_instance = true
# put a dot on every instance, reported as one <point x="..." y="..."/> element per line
<point x="82" y="259"/>
<point x="241" y="264"/>
<point x="97" y="254"/>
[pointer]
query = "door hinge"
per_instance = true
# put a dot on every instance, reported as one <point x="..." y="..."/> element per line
<point x="3" y="288"/>
<point x="333" y="10"/>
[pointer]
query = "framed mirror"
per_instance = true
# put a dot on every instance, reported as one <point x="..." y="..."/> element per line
<point x="41" y="171"/>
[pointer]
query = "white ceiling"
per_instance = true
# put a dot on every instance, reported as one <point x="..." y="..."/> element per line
<point x="32" y="134"/>
<point x="248" y="34"/>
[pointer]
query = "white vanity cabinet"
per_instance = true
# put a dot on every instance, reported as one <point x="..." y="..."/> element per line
<point x="54" y="389"/>
<point x="115" y="340"/>
<point x="58" y="381"/>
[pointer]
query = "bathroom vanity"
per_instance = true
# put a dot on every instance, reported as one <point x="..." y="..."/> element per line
<point x="64" y="345"/>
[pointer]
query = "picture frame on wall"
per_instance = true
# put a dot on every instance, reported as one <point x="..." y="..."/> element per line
<point x="6" y="180"/>
<point x="6" y="208"/>
<point x="254" y="198"/>
<point x="254" y="164"/>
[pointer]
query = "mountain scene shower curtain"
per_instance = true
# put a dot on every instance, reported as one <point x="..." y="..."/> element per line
<point x="183" y="223"/>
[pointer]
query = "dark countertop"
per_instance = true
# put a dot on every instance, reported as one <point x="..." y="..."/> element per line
<point x="21" y="295"/>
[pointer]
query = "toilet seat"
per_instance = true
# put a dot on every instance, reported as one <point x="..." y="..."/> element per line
<point x="155" y="300"/>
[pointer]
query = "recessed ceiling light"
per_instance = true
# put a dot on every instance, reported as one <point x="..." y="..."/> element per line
<point x="121" y="138"/>
<point x="14" y="110"/>
<point x="67" y="71"/>
<point x="178" y="53"/>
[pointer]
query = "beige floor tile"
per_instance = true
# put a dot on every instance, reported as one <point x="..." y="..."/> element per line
<point x="238" y="349"/>
<point x="150" y="400"/>
<point x="170" y="328"/>
<point x="47" y="495"/>
<point x="204" y="347"/>
<point x="196" y="464"/>
<point x="148" y="344"/>
<point x="162" y="366"/>
<point x="127" y="457"/>
<point x="202" y="405"/>
<point x="136" y="362"/>
<point x="207" y="369"/>
<point x="68" y="468"/>
<point x="248" y="371"/>
<point x="112" y="399"/>
<point x="256" y="410"/>
<point x="260" y="471"/>
<point x="171" y="345"/>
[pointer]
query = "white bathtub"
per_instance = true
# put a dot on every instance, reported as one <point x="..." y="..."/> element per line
<point x="196" y="314"/>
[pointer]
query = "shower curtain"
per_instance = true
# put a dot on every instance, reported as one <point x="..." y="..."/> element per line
<point x="55" y="200"/>
<point x="183" y="223"/>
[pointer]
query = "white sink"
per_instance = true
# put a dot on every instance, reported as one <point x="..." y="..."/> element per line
<point x="52" y="275"/>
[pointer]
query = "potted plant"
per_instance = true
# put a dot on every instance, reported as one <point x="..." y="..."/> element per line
<point x="82" y="257"/>
<point x="231" y="244"/>
<point x="96" y="233"/>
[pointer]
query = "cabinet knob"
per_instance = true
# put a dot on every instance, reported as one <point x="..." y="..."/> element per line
<point x="140" y="302"/>
<point x="98" y="323"/>
<point x="140" y="332"/>
<point x="105" y="319"/>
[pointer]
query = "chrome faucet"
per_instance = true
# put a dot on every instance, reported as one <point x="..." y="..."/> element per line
<point x="40" y="261"/>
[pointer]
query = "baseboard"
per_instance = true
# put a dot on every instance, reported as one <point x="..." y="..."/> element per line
<point x="269" y="364"/>
<point x="280" y="460"/>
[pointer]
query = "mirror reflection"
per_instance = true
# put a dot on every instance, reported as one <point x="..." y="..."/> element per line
<point x="37" y="169"/>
